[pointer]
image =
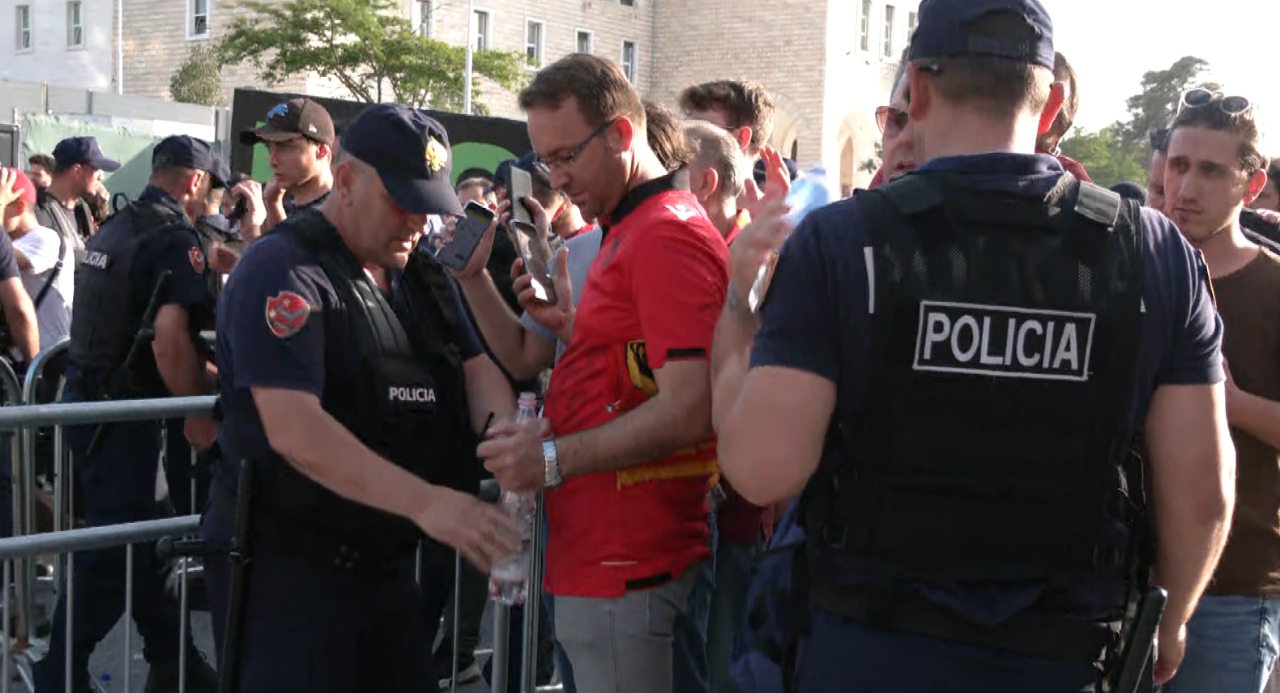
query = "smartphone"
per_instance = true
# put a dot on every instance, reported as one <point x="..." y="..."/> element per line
<point x="521" y="187"/>
<point x="536" y="255"/>
<point x="471" y="226"/>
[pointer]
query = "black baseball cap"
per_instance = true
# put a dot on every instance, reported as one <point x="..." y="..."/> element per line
<point x="410" y="151"/>
<point x="944" y="31"/>
<point x="83" y="151"/>
<point x="760" y="172"/>
<point x="291" y="119"/>
<point x="189" y="152"/>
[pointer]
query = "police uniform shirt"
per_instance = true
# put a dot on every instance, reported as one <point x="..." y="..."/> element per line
<point x="276" y="329"/>
<point x="816" y="318"/>
<point x="178" y="251"/>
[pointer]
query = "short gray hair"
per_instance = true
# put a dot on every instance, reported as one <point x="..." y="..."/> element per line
<point x="714" y="148"/>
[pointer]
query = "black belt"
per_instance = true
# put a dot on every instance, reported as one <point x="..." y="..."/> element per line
<point x="1048" y="636"/>
<point x="315" y="544"/>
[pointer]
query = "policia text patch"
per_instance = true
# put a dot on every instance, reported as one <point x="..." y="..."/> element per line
<point x="1003" y="341"/>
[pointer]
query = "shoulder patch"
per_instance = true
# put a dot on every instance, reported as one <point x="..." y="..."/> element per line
<point x="196" y="256"/>
<point x="286" y="313"/>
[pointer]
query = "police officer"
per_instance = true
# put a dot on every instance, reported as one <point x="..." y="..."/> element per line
<point x="119" y="276"/>
<point x="355" y="420"/>
<point x="951" y="370"/>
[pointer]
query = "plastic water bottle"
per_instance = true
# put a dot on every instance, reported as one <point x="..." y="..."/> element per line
<point x="509" y="579"/>
<point x="809" y="191"/>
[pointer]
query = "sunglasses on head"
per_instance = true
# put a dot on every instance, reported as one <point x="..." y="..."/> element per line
<point x="891" y="120"/>
<point x="1199" y="98"/>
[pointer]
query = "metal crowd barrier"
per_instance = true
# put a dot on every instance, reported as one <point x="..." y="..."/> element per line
<point x="19" y="553"/>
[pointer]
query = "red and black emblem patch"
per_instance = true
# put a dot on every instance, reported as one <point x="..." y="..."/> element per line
<point x="197" y="259"/>
<point x="287" y="312"/>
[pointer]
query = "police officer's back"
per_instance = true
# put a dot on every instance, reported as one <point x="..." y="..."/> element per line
<point x="141" y="299"/>
<point x="952" y="370"/>
<point x="353" y="421"/>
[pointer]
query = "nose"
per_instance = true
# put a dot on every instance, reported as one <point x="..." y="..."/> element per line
<point x="560" y="178"/>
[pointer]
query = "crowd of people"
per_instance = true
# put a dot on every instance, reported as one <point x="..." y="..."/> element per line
<point x="945" y="434"/>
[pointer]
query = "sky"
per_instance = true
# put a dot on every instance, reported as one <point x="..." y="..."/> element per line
<point x="1111" y="43"/>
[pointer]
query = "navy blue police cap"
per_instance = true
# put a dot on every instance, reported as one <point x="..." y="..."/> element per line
<point x="944" y="30"/>
<point x="189" y="152"/>
<point x="410" y="151"/>
<point x="83" y="151"/>
<point x="502" y="174"/>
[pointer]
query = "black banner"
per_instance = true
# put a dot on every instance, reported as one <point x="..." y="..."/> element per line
<point x="479" y="143"/>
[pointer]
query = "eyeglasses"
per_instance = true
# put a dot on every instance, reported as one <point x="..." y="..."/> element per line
<point x="1198" y="98"/>
<point x="891" y="120"/>
<point x="567" y="160"/>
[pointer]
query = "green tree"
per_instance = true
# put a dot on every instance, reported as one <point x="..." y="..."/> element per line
<point x="873" y="164"/>
<point x="1105" y="155"/>
<point x="199" y="78"/>
<point x="1121" y="151"/>
<point x="368" y="48"/>
<point x="1159" y="97"/>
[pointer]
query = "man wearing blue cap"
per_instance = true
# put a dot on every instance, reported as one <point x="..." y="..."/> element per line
<point x="952" y="370"/>
<point x="78" y="167"/>
<point x="144" y="268"/>
<point x="358" y="411"/>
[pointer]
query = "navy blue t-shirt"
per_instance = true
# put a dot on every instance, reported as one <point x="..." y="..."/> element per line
<point x="181" y="253"/>
<point x="815" y="318"/>
<point x="277" y="329"/>
<point x="8" y="264"/>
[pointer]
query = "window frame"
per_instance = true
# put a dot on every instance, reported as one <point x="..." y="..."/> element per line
<point x="192" y="15"/>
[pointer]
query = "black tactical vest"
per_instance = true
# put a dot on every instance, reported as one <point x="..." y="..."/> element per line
<point x="108" y="308"/>
<point x="995" y="443"/>
<point x="410" y="406"/>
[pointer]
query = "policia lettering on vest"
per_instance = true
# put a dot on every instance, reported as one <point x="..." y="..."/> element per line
<point x="355" y="404"/>
<point x="949" y="375"/>
<point x="141" y="301"/>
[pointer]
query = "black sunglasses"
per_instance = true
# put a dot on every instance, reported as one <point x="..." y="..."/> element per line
<point x="1199" y="98"/>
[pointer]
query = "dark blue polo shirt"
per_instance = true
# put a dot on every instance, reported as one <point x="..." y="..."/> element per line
<point x="815" y="319"/>
<point x="278" y="328"/>
<point x="179" y="252"/>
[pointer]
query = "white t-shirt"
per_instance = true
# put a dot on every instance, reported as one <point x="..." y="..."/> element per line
<point x="40" y="247"/>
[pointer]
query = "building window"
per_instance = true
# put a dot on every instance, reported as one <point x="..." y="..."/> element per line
<point x="629" y="60"/>
<point x="22" y="22"/>
<point x="912" y="20"/>
<point x="627" y="3"/>
<point x="198" y="27"/>
<point x="864" y="26"/>
<point x="75" y="24"/>
<point x="426" y="15"/>
<point x="888" y="31"/>
<point x="533" y="43"/>
<point x="480" y="25"/>
<point x="586" y="43"/>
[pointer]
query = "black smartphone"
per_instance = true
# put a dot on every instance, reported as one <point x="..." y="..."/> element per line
<point x="536" y="255"/>
<point x="471" y="226"/>
<point x="521" y="187"/>
<point x="242" y="206"/>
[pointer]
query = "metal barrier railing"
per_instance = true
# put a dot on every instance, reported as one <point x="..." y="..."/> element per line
<point x="19" y="553"/>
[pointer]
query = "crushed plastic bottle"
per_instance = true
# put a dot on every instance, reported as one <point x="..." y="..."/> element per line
<point x="509" y="579"/>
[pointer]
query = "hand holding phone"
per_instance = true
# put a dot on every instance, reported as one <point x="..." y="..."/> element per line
<point x="470" y="229"/>
<point x="531" y="243"/>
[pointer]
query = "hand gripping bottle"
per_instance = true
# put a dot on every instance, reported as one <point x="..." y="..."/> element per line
<point x="509" y="578"/>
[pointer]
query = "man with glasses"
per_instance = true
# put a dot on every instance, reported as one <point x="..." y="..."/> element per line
<point x="631" y="458"/>
<point x="970" y="496"/>
<point x="1214" y="169"/>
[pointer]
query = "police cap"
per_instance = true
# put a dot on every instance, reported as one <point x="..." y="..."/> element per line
<point x="189" y="152"/>
<point x="410" y="151"/>
<point x="944" y="30"/>
<point x="83" y="151"/>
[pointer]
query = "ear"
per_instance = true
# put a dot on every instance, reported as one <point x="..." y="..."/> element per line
<point x="921" y="90"/>
<point x="1057" y="96"/>
<point x="323" y="151"/>
<point x="744" y="135"/>
<point x="623" y="133"/>
<point x="1254" y="187"/>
